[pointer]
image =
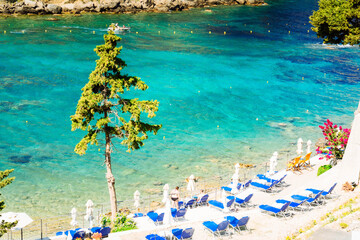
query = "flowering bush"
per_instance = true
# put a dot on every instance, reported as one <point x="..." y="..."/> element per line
<point x="336" y="140"/>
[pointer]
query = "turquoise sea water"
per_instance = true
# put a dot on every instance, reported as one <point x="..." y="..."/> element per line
<point x="222" y="97"/>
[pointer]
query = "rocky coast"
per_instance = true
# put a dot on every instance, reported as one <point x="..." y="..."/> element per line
<point x="30" y="7"/>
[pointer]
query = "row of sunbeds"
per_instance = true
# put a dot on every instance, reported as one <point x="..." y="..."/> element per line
<point x="216" y="229"/>
<point x="317" y="197"/>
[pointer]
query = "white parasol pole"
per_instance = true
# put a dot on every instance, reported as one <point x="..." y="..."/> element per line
<point x="89" y="213"/>
<point x="166" y="193"/>
<point x="299" y="146"/>
<point x="308" y="150"/>
<point x="73" y="218"/>
<point x="136" y="199"/>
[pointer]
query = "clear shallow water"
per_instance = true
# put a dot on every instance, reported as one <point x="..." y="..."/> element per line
<point x="202" y="81"/>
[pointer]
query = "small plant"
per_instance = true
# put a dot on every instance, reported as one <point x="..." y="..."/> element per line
<point x="332" y="218"/>
<point x="300" y="230"/>
<point x="314" y="222"/>
<point x="121" y="223"/>
<point x="343" y="225"/>
<point x="323" y="169"/>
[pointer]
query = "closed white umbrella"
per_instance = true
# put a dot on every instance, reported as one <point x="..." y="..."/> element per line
<point x="166" y="193"/>
<point x="235" y="181"/>
<point x="273" y="163"/>
<point x="191" y="184"/>
<point x="237" y="168"/>
<point x="73" y="217"/>
<point x="22" y="218"/>
<point x="168" y="219"/>
<point x="223" y="200"/>
<point x="299" y="146"/>
<point x="89" y="213"/>
<point x="308" y="150"/>
<point x="136" y="199"/>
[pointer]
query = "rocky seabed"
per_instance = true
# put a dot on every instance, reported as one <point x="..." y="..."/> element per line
<point x="30" y="7"/>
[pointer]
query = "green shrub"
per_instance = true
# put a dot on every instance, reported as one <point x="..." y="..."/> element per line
<point x="343" y="225"/>
<point x="121" y="223"/>
<point x="323" y="169"/>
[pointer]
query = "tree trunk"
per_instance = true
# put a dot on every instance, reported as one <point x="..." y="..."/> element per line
<point x="110" y="177"/>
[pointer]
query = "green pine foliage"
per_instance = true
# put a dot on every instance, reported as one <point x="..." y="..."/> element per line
<point x="102" y="96"/>
<point x="337" y="21"/>
<point x="4" y="181"/>
<point x="103" y="108"/>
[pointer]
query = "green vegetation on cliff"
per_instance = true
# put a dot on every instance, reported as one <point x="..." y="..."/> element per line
<point x="337" y="21"/>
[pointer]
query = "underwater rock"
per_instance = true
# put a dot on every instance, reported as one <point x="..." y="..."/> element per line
<point x="158" y="184"/>
<point x="243" y="165"/>
<point x="20" y="159"/>
<point x="167" y="165"/>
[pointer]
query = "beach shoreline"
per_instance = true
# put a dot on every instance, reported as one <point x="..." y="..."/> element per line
<point x="55" y="7"/>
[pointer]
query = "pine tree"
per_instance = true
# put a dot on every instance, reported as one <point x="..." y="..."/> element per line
<point x="4" y="181"/>
<point x="337" y="21"/>
<point x="102" y="108"/>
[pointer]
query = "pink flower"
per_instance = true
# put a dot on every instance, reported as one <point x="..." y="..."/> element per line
<point x="321" y="127"/>
<point x="321" y="158"/>
<point x="340" y="127"/>
<point x="335" y="126"/>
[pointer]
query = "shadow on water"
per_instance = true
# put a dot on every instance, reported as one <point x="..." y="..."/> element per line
<point x="20" y="159"/>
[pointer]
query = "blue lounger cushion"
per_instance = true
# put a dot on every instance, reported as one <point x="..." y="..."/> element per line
<point x="292" y="204"/>
<point x="210" y="225"/>
<point x="138" y="215"/>
<point x="308" y="199"/>
<point x="237" y="223"/>
<point x="263" y="186"/>
<point x="275" y="210"/>
<point x="316" y="191"/>
<point x="203" y="199"/>
<point x="216" y="204"/>
<point x="228" y="189"/>
<point x="270" y="208"/>
<point x="183" y="234"/>
<point x="154" y="237"/>
<point x="105" y="231"/>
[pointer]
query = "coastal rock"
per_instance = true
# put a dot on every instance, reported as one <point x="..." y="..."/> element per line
<point x="108" y="4"/>
<point x="54" y="9"/>
<point x="68" y="7"/>
<point x="81" y="6"/>
<point x="241" y="2"/>
<point x="30" y="3"/>
<point x="116" y="6"/>
<point x="143" y="4"/>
